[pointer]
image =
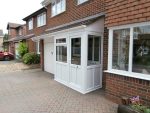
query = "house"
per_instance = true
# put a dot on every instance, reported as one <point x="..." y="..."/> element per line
<point x="1" y="40"/>
<point x="92" y="44"/>
<point x="16" y="34"/>
<point x="36" y="24"/>
<point x="71" y="37"/>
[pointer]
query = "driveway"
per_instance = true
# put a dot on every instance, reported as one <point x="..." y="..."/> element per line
<point x="35" y="91"/>
<point x="12" y="66"/>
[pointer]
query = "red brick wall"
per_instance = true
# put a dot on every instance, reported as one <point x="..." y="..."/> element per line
<point x="121" y="12"/>
<point x="36" y="30"/>
<point x="13" y="33"/>
<point x="31" y="45"/>
<point x="74" y="12"/>
<point x="117" y="86"/>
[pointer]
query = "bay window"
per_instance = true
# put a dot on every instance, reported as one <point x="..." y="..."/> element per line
<point x="58" y="6"/>
<point x="129" y="51"/>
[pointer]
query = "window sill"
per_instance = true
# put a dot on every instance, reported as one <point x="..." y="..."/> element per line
<point x="128" y="74"/>
<point x="57" y="14"/>
<point x="41" y="26"/>
<point x="78" y="4"/>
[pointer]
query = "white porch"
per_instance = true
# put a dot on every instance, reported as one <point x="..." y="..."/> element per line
<point x="75" y="55"/>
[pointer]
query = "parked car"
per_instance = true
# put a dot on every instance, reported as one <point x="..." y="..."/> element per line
<point x="6" y="56"/>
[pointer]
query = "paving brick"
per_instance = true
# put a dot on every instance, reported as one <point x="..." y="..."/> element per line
<point x="37" y="92"/>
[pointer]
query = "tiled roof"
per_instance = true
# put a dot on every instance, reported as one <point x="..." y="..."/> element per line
<point x="18" y="38"/>
<point x="12" y="25"/>
<point x="43" y="9"/>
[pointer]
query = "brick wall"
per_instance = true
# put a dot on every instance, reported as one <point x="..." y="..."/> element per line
<point x="117" y="86"/>
<point x="121" y="12"/>
<point x="31" y="45"/>
<point x="74" y="12"/>
<point x="36" y="30"/>
<point x="13" y="33"/>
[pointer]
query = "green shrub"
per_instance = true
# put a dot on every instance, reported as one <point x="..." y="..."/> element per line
<point x="22" y="49"/>
<point x="31" y="58"/>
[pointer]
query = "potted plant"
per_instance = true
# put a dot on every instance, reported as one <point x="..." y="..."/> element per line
<point x="134" y="107"/>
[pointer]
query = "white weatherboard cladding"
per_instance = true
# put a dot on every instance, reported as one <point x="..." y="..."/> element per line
<point x="81" y="78"/>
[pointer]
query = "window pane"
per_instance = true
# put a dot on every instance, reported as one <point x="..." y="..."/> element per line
<point x="61" y="53"/>
<point x="90" y="48"/>
<point x="96" y="48"/>
<point x="93" y="50"/>
<point x="62" y="40"/>
<point x="120" y="51"/>
<point x="141" y="50"/>
<point x="76" y="51"/>
<point x="58" y="7"/>
<point x="30" y="24"/>
<point x="53" y="9"/>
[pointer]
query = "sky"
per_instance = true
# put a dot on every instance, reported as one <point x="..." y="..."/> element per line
<point x="15" y="10"/>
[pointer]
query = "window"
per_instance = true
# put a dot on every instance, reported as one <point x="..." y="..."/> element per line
<point x="81" y="1"/>
<point x="129" y="51"/>
<point x="61" y="50"/>
<point x="9" y="31"/>
<point x="30" y="24"/>
<point x="38" y="47"/>
<point x="41" y="19"/>
<point x="63" y="40"/>
<point x="93" y="50"/>
<point x="61" y="53"/>
<point x="58" y="6"/>
<point x="20" y="32"/>
<point x="76" y="51"/>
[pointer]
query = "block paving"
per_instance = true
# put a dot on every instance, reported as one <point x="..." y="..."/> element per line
<point x="34" y="91"/>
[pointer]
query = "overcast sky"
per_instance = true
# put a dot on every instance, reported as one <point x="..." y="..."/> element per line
<point x="15" y="10"/>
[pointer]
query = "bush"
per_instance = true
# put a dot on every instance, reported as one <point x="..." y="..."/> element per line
<point x="31" y="58"/>
<point x="22" y="49"/>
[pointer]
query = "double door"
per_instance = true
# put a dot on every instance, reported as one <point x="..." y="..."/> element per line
<point x="68" y="61"/>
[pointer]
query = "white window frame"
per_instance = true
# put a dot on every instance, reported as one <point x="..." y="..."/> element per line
<point x="38" y="47"/>
<point x="41" y="19"/>
<point x="30" y="24"/>
<point x="81" y="1"/>
<point x="128" y="73"/>
<point x="55" y="7"/>
<point x="58" y="45"/>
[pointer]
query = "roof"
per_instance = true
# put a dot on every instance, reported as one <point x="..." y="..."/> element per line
<point x="84" y="21"/>
<point x="21" y="38"/>
<point x="13" y="25"/>
<point x="35" y="13"/>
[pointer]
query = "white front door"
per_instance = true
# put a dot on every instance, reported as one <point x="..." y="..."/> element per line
<point x="75" y="75"/>
<point x="49" y="60"/>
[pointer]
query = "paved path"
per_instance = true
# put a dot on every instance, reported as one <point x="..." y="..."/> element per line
<point x="36" y="92"/>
